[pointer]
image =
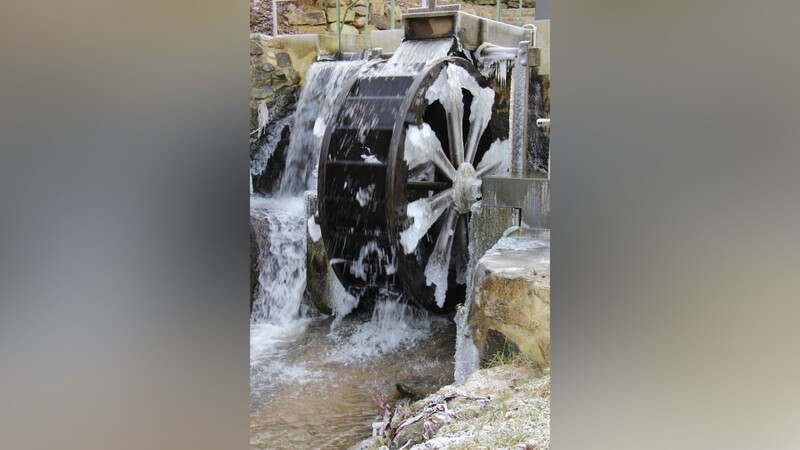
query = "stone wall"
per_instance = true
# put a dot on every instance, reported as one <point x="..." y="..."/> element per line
<point x="314" y="17"/>
<point x="319" y="16"/>
<point x="277" y="69"/>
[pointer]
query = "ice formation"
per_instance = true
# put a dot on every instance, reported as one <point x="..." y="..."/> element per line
<point x="263" y="118"/>
<point x="341" y="301"/>
<point x="422" y="146"/>
<point x="364" y="195"/>
<point x="314" y="231"/>
<point x="447" y="91"/>
<point x="259" y="161"/>
<point x="422" y="214"/>
<point x="496" y="160"/>
<point x="497" y="67"/>
<point x="319" y="127"/>
<point x="361" y="269"/>
<point x="370" y="159"/>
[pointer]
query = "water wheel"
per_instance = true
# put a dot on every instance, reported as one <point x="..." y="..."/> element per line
<point x="399" y="169"/>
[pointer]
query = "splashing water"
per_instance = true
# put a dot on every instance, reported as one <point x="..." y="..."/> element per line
<point x="283" y="273"/>
<point x="324" y="81"/>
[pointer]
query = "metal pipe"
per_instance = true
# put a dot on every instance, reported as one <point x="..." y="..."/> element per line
<point x="275" y="17"/>
<point x="338" y="25"/>
<point x="498" y="10"/>
<point x="366" y="29"/>
<point x="519" y="13"/>
<point x="543" y="123"/>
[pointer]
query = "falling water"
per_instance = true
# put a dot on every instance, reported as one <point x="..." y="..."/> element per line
<point x="283" y="273"/>
<point x="313" y="379"/>
<point x="324" y="81"/>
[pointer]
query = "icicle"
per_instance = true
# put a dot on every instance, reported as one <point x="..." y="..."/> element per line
<point x="263" y="118"/>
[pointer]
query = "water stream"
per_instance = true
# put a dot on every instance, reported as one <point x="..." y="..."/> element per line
<point x="314" y="387"/>
<point x="316" y="382"/>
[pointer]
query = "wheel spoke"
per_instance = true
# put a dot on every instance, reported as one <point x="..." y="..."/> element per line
<point x="424" y="212"/>
<point x="422" y="146"/>
<point x="455" y="120"/>
<point x="444" y="164"/>
<point x="461" y="250"/>
<point x="485" y="169"/>
<point x="475" y="133"/>
<point x="438" y="267"/>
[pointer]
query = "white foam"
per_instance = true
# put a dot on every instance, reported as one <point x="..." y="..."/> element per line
<point x="282" y="279"/>
<point x="394" y="326"/>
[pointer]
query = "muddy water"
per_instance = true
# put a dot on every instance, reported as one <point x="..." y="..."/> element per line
<point x="313" y="384"/>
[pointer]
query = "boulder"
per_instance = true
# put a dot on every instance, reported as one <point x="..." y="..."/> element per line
<point x="311" y="29"/>
<point x="306" y="16"/>
<point x="283" y="59"/>
<point x="380" y="22"/>
<point x="510" y="311"/>
<point x="330" y="14"/>
<point x="346" y="29"/>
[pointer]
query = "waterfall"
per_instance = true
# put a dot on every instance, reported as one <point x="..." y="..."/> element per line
<point x="324" y="82"/>
<point x="279" y="224"/>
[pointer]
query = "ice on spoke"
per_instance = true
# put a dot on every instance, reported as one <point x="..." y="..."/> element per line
<point x="422" y="146"/>
<point x="438" y="267"/>
<point x="424" y="217"/>
<point x="496" y="160"/>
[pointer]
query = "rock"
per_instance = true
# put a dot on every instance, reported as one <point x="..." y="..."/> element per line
<point x="397" y="12"/>
<point x="318" y="283"/>
<point x="380" y="22"/>
<point x="360" y="22"/>
<point x="255" y="265"/>
<point x="311" y="29"/>
<point x="263" y="92"/>
<point x="346" y="29"/>
<point x="408" y="391"/>
<point x="305" y="17"/>
<point x="255" y="47"/>
<point x="283" y="59"/>
<point x="360" y="10"/>
<point x="376" y="7"/>
<point x="331" y="15"/>
<point x="409" y="435"/>
<point x="368" y="444"/>
<point x="511" y="300"/>
<point x="275" y="43"/>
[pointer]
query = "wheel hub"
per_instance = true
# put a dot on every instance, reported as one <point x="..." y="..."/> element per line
<point x="466" y="188"/>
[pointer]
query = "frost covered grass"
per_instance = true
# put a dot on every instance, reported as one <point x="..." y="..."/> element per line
<point x="517" y="414"/>
<point x="502" y="407"/>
